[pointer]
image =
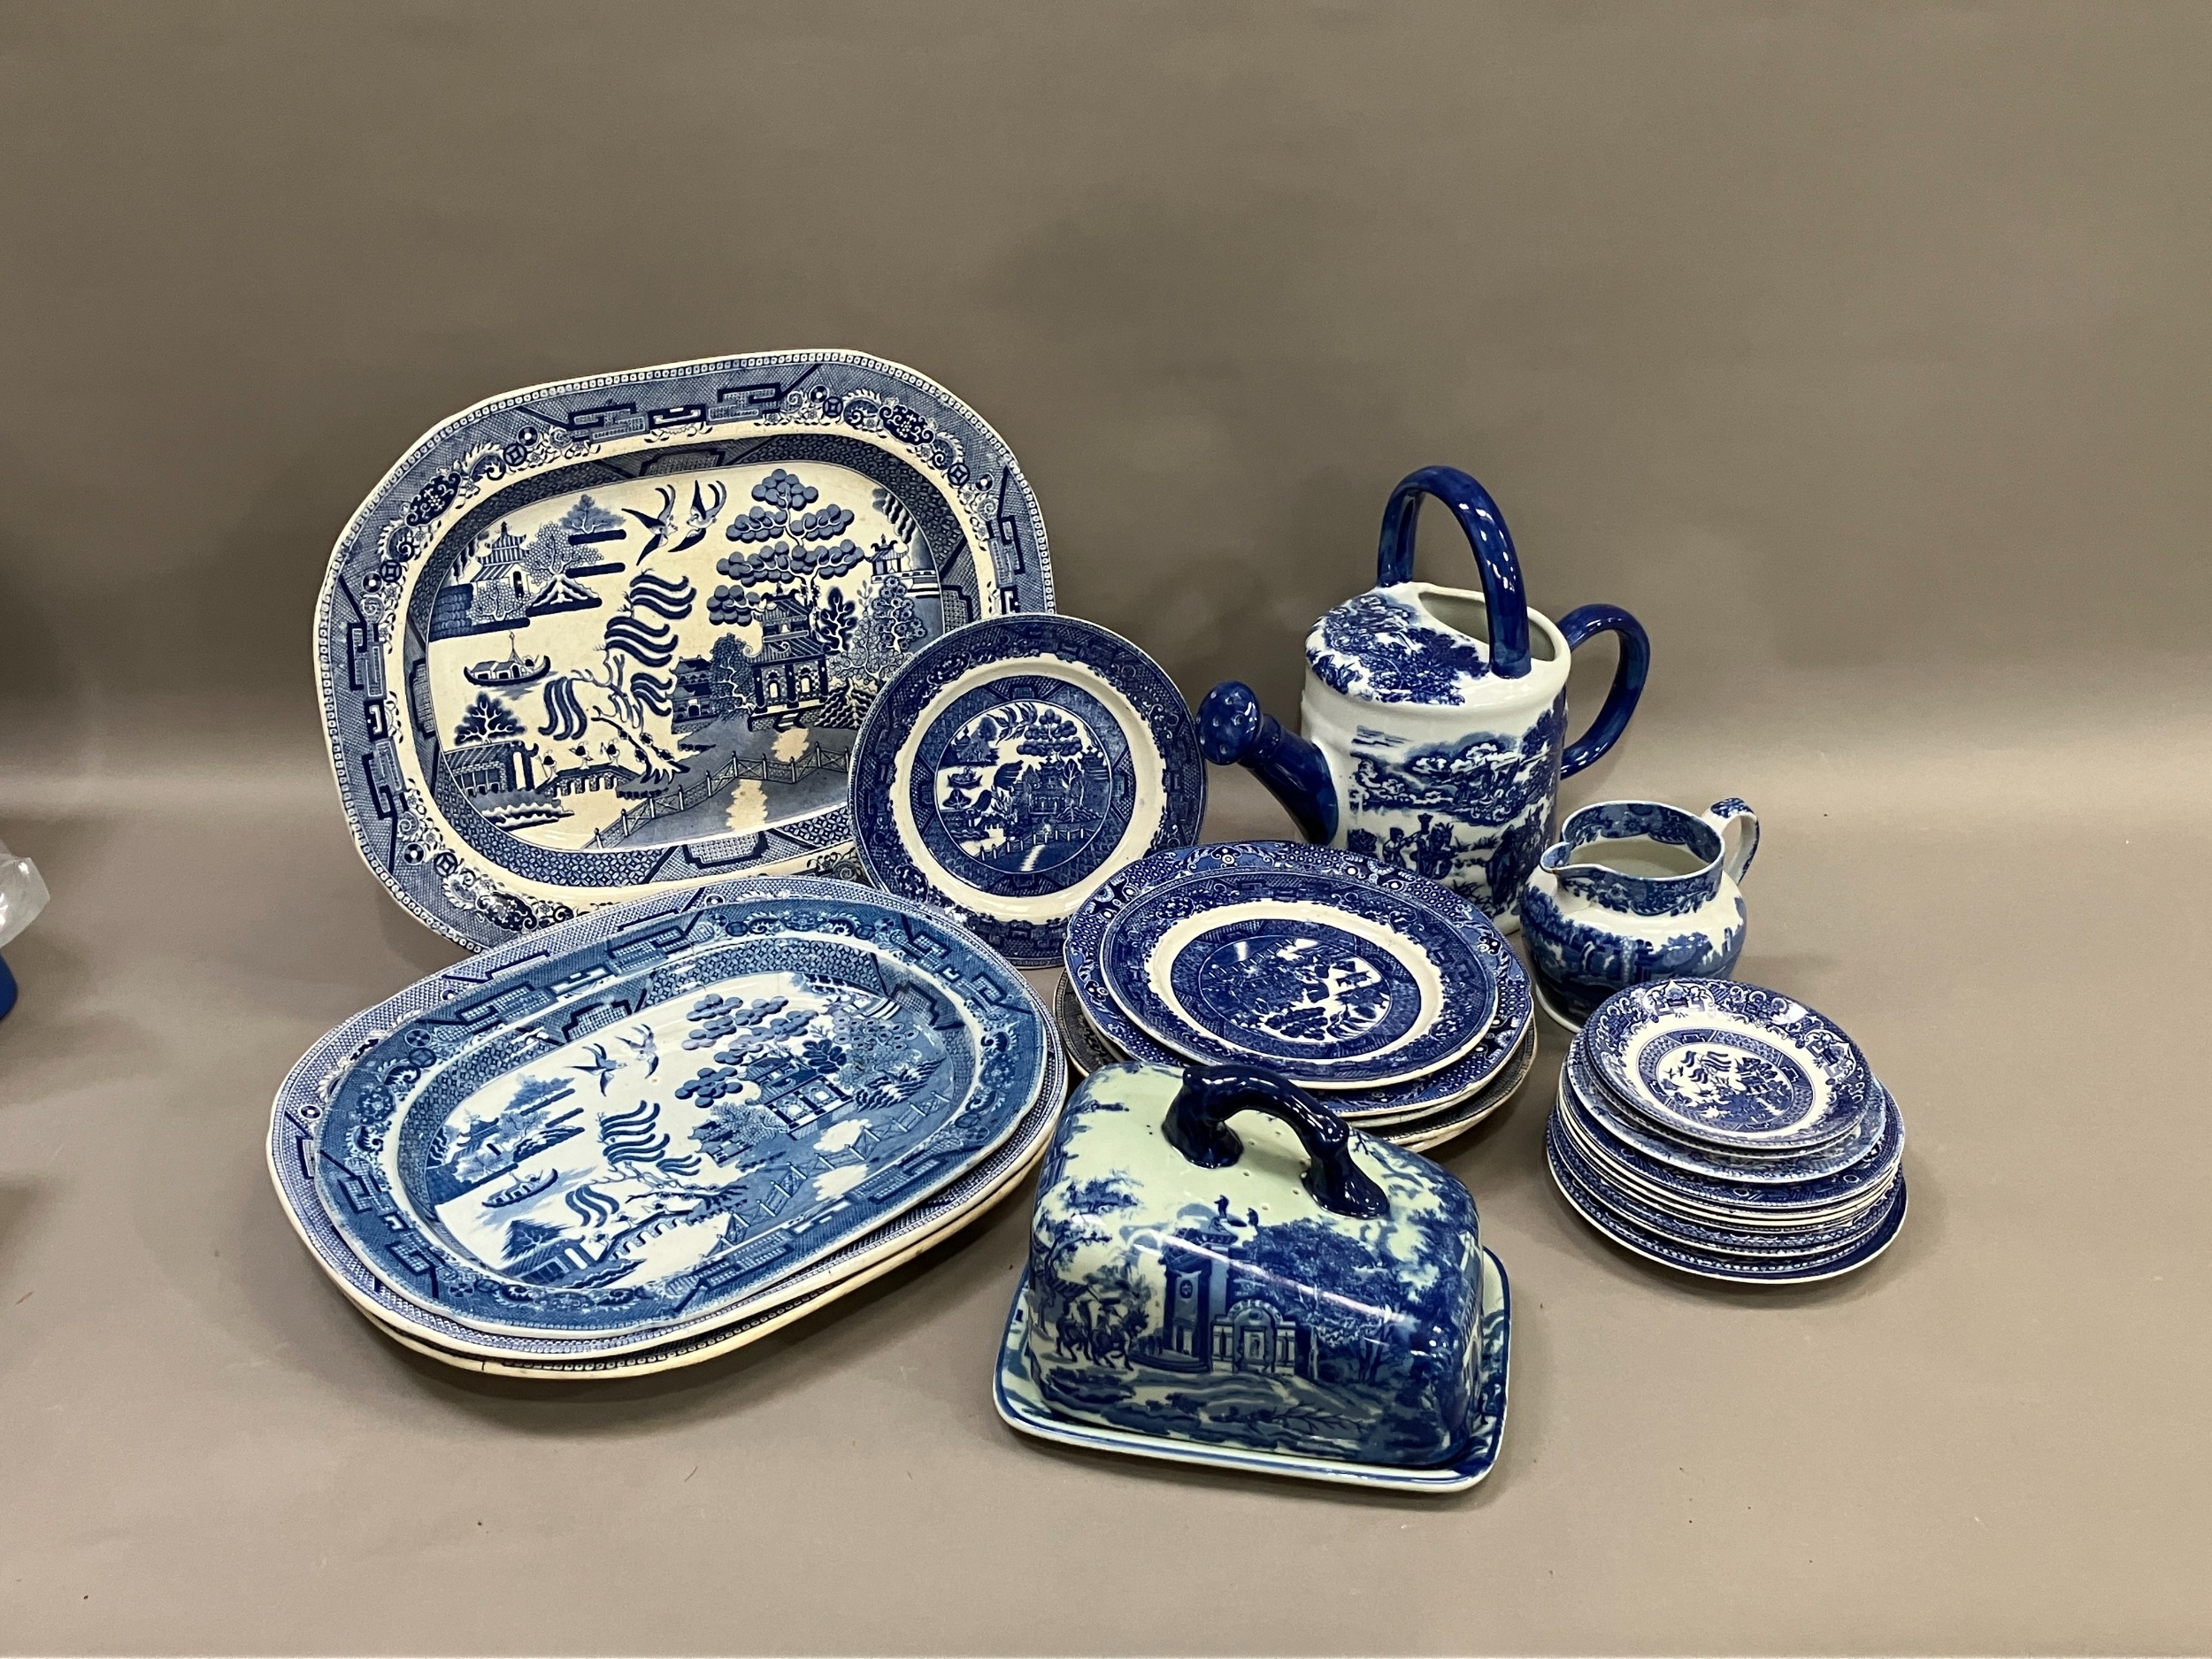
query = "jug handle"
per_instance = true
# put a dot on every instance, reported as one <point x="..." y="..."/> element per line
<point x="1628" y="680"/>
<point x="1739" y="827"/>
<point x="1493" y="543"/>
<point x="1196" y="1126"/>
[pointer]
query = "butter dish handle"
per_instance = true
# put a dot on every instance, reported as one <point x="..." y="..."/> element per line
<point x="1197" y="1126"/>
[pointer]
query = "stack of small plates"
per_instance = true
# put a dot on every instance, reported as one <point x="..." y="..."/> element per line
<point x="1390" y="996"/>
<point x="1728" y="1132"/>
<point x="658" y="1133"/>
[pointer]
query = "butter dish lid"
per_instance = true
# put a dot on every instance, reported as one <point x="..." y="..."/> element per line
<point x="1287" y="1283"/>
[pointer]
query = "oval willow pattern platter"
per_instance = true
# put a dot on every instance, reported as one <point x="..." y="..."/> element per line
<point x="1447" y="1085"/>
<point x="686" y="1342"/>
<point x="1726" y="1065"/>
<point x="781" y="1067"/>
<point x="1321" y="977"/>
<point x="591" y="638"/>
<point x="1006" y="770"/>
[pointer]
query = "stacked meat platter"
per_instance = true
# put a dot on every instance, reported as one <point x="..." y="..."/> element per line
<point x="722" y="711"/>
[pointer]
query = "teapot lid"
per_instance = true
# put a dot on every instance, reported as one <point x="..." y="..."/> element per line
<point x="1384" y="645"/>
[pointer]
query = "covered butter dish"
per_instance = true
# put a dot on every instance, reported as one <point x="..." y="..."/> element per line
<point x="1289" y="1293"/>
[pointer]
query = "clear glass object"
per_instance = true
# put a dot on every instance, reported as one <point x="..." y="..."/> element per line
<point x="22" y="894"/>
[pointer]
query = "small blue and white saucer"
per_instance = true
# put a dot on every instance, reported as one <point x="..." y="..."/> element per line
<point x="1012" y="765"/>
<point x="1827" y="1174"/>
<point x="1447" y="1085"/>
<point x="1728" y="1066"/>
<point x="1332" y="981"/>
<point x="1024" y="1407"/>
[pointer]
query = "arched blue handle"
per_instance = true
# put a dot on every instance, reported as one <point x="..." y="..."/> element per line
<point x="1197" y="1126"/>
<point x="1628" y="680"/>
<point x="1493" y="543"/>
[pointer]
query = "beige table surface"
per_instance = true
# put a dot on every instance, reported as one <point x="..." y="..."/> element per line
<point x="1861" y="351"/>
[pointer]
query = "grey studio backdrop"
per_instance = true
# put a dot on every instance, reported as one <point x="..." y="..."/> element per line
<point x="1861" y="351"/>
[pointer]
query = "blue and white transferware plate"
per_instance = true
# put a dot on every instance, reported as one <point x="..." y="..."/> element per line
<point x="1006" y="770"/>
<point x="1592" y="1208"/>
<point x="686" y="1342"/>
<point x="1720" y="1063"/>
<point x="1878" y="1126"/>
<point x="1446" y="1086"/>
<point x="778" y="1068"/>
<point x="592" y="639"/>
<point x="1021" y="1402"/>
<point x="1085" y="1049"/>
<point x="1327" y="979"/>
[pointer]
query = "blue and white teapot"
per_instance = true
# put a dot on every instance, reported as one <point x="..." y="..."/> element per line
<point x="1435" y="719"/>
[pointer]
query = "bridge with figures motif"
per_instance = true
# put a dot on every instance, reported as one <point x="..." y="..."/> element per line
<point x="683" y="799"/>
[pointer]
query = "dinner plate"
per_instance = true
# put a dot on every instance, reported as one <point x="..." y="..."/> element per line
<point x="767" y="1070"/>
<point x="1378" y="1104"/>
<point x="1700" y="1265"/>
<point x="591" y="639"/>
<point x="1008" y="768"/>
<point x="1824" y="1174"/>
<point x="1324" y="977"/>
<point x="1024" y="1407"/>
<point x="685" y="1342"/>
<point x="1730" y="1066"/>
<point x="1422" y="1134"/>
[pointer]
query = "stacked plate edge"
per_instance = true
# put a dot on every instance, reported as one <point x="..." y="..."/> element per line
<point x="1729" y="1132"/>
<point x="1421" y="1110"/>
<point x="662" y="1130"/>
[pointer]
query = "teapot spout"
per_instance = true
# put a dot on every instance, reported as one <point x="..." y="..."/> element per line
<point x="1234" y="731"/>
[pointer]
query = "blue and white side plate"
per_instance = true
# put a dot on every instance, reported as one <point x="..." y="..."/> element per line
<point x="1704" y="1265"/>
<point x="1724" y="1065"/>
<point x="1453" y="1082"/>
<point x="1827" y="1173"/>
<point x="1006" y="770"/>
<point x="1022" y="1405"/>
<point x="652" y="1116"/>
<point x="1327" y="979"/>
<point x="591" y="639"/>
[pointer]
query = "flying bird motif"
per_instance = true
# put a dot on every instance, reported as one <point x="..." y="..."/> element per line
<point x="706" y="507"/>
<point x="599" y="1065"/>
<point x="661" y="523"/>
<point x="645" y="1047"/>
<point x="703" y="512"/>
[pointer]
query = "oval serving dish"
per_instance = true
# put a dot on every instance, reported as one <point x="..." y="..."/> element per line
<point x="594" y="639"/>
